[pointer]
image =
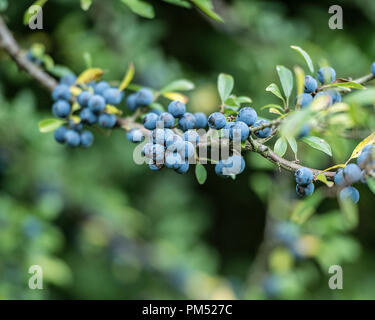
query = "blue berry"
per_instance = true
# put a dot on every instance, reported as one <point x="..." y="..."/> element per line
<point x="157" y="153"/>
<point x="87" y="139"/>
<point x="68" y="79"/>
<point x="96" y="103"/>
<point x="188" y="150"/>
<point x="160" y="135"/>
<point x="149" y="121"/>
<point x="107" y="120"/>
<point x="173" y="160"/>
<point x="155" y="167"/>
<point x="113" y="96"/>
<point x="247" y="115"/>
<point x="287" y="233"/>
<point x="72" y="138"/>
<point x="240" y="130"/>
<point x="310" y="84"/>
<point x="167" y="119"/>
<point x="59" y="134"/>
<point x="373" y="68"/>
<point x="304" y="191"/>
<point x="325" y="94"/>
<point x="231" y="166"/>
<point x="177" y="108"/>
<point x="352" y="173"/>
<point x="144" y="97"/>
<point x="156" y="111"/>
<point x="263" y="133"/>
<point x="87" y="116"/>
<point x="183" y="167"/>
<point x="187" y="121"/>
<point x="76" y="126"/>
<point x="147" y="150"/>
<point x="303" y="176"/>
<point x="174" y="142"/>
<point x="326" y="75"/>
<point x="368" y="148"/>
<point x="100" y="87"/>
<point x="216" y="120"/>
<point x="339" y="178"/>
<point x="349" y="194"/>
<point x="303" y="99"/>
<point x="83" y="98"/>
<point x="135" y="135"/>
<point x="191" y="136"/>
<point x="131" y="102"/>
<point x="335" y="95"/>
<point x="200" y="120"/>
<point x="362" y="159"/>
<point x="61" y="92"/>
<point x="61" y="109"/>
<point x="227" y="129"/>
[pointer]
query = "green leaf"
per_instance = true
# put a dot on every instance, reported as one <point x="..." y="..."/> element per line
<point x="141" y="8"/>
<point x="59" y="71"/>
<point x="225" y="85"/>
<point x="200" y="173"/>
<point x="275" y="90"/>
<point x="280" y="146"/>
<point x="286" y="79"/>
<point x="29" y="14"/>
<point x="3" y="5"/>
<point x="306" y="56"/>
<point x="206" y="7"/>
<point x="86" y="4"/>
<point x="348" y="84"/>
<point x="178" y="85"/>
<point x="271" y="105"/>
<point x="243" y="99"/>
<point x="318" y="143"/>
<point x="293" y="144"/>
<point x="181" y="3"/>
<point x="48" y="125"/>
<point x="371" y="184"/>
<point x="157" y="106"/>
<point x="232" y="102"/>
<point x="365" y="97"/>
<point x="321" y="177"/>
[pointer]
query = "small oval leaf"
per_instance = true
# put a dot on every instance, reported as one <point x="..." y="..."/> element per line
<point x="200" y="173"/>
<point x="48" y="125"/>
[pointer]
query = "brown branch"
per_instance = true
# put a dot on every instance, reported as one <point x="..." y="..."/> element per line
<point x="10" y="46"/>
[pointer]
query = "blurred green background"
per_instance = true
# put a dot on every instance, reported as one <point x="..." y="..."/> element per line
<point x="103" y="227"/>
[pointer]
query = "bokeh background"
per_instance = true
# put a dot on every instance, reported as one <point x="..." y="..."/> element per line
<point x="103" y="227"/>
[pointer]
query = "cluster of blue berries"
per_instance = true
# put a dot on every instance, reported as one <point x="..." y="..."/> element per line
<point x="304" y="179"/>
<point x="166" y="147"/>
<point x="325" y="75"/>
<point x="353" y="173"/>
<point x="93" y="99"/>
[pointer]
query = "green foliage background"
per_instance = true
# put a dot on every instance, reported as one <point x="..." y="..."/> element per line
<point x="103" y="227"/>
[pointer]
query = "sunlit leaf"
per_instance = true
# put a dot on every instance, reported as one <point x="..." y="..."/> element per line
<point x="48" y="125"/>
<point x="140" y="7"/>
<point x="275" y="111"/>
<point x="286" y="79"/>
<point x="280" y="146"/>
<point x="275" y="90"/>
<point x="348" y="84"/>
<point x="128" y="77"/>
<point x="200" y="173"/>
<point x="358" y="149"/>
<point x="207" y="8"/>
<point x="176" y="96"/>
<point x="88" y="75"/>
<point x="225" y="85"/>
<point x="321" y="177"/>
<point x="318" y="143"/>
<point x="306" y="56"/>
<point x="86" y="4"/>
<point x="112" y="109"/>
<point x="178" y="85"/>
<point x="32" y="13"/>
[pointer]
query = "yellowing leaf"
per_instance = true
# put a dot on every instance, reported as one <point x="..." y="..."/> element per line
<point x="274" y="110"/>
<point x="334" y="167"/>
<point x="75" y="107"/>
<point x="321" y="177"/>
<point x="75" y="91"/>
<point x="176" y="96"/>
<point x="76" y="119"/>
<point x="300" y="77"/>
<point x="112" y="109"/>
<point x="358" y="149"/>
<point x="89" y="75"/>
<point x="128" y="77"/>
